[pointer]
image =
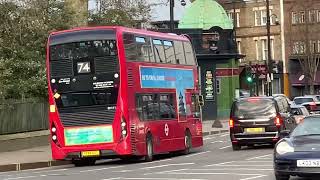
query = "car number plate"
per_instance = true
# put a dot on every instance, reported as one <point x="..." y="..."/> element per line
<point x="254" y="130"/>
<point x="90" y="153"/>
<point x="308" y="163"/>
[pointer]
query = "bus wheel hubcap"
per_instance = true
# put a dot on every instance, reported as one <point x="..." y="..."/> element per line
<point x="149" y="149"/>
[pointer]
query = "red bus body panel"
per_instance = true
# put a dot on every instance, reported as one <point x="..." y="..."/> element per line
<point x="134" y="143"/>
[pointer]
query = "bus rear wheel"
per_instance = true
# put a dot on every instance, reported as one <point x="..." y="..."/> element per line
<point x="83" y="162"/>
<point x="149" y="149"/>
<point x="187" y="143"/>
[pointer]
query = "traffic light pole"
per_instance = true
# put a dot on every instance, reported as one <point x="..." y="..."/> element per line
<point x="171" y="16"/>
<point x="269" y="50"/>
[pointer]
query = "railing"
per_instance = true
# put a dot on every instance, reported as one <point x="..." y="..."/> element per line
<point x="23" y="116"/>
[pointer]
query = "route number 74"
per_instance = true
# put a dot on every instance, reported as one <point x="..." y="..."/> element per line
<point x="83" y="67"/>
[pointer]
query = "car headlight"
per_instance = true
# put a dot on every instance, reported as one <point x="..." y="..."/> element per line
<point x="283" y="148"/>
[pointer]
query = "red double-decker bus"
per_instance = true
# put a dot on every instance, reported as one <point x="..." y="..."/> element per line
<point x="120" y="92"/>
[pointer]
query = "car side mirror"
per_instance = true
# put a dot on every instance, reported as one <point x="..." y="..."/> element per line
<point x="200" y="100"/>
<point x="284" y="133"/>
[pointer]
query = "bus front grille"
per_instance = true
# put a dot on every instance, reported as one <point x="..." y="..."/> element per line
<point x="87" y="118"/>
<point x="106" y="64"/>
<point x="133" y="138"/>
<point x="61" y="68"/>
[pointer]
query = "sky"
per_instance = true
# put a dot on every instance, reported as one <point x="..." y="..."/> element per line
<point x="160" y="13"/>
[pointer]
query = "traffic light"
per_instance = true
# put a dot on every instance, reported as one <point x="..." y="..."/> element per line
<point x="249" y="77"/>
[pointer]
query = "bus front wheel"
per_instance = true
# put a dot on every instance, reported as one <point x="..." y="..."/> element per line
<point x="149" y="149"/>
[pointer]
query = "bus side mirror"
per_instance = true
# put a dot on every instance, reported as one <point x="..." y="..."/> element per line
<point x="200" y="100"/>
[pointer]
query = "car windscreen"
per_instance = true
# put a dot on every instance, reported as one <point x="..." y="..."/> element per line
<point x="309" y="126"/>
<point x="251" y="108"/>
<point x="302" y="100"/>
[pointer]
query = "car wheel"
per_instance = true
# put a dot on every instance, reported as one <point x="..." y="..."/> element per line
<point x="149" y="149"/>
<point x="282" y="177"/>
<point x="236" y="147"/>
<point x="83" y="162"/>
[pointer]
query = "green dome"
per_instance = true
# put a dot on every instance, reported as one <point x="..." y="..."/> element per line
<point x="205" y="14"/>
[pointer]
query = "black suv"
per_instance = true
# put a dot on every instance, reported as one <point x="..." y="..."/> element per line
<point x="259" y="120"/>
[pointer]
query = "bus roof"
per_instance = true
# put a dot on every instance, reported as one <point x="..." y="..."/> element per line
<point x="129" y="30"/>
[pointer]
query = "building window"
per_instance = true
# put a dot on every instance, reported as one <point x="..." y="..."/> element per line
<point x="298" y="47"/>
<point x="257" y="50"/>
<point x="318" y="46"/>
<point x="318" y="15"/>
<point x="257" y="17"/>
<point x="312" y="16"/>
<point x="264" y="45"/>
<point x="236" y="15"/>
<point x="272" y="48"/>
<point x="218" y="85"/>
<point x="313" y="46"/>
<point x="294" y="18"/>
<point x="239" y="46"/>
<point x="261" y="17"/>
<point x="302" y="17"/>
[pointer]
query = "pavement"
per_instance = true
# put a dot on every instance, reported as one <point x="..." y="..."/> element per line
<point x="31" y="150"/>
<point x="214" y="161"/>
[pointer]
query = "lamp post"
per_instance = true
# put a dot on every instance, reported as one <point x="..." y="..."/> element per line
<point x="183" y="3"/>
<point x="269" y="63"/>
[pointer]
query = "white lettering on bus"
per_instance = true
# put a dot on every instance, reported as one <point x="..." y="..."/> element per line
<point x="152" y="78"/>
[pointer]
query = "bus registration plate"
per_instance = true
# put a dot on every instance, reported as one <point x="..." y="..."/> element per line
<point x="90" y="153"/>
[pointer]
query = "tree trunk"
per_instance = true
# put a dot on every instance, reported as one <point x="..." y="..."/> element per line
<point x="312" y="88"/>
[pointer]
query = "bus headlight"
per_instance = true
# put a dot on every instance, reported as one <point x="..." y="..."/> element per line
<point x="116" y="75"/>
<point x="284" y="147"/>
<point x="53" y="129"/>
<point x="123" y="124"/>
<point x="54" y="137"/>
<point x="124" y="132"/>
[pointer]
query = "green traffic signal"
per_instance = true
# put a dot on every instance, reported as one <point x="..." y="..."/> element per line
<point x="249" y="79"/>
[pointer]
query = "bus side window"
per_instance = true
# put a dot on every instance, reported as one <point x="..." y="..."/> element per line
<point x="167" y="110"/>
<point x="158" y="51"/>
<point x="195" y="107"/>
<point x="169" y="52"/>
<point x="179" y="51"/>
<point x="190" y="59"/>
<point x="130" y="47"/>
<point x="143" y="49"/>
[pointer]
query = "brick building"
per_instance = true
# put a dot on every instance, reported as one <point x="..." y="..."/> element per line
<point x="250" y="19"/>
<point x="294" y="32"/>
<point x="302" y="22"/>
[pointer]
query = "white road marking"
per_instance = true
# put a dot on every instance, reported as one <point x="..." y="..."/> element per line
<point x="101" y="169"/>
<point x="163" y="172"/>
<point x="220" y="164"/>
<point x="113" y="178"/>
<point x="166" y="165"/>
<point x="123" y="171"/>
<point x="258" y="157"/>
<point x="234" y="169"/>
<point x="252" y="165"/>
<point x="155" y="179"/>
<point x="25" y="177"/>
<point x="254" y="177"/>
<point x="224" y="135"/>
<point x="163" y="160"/>
<point x="55" y="170"/>
<point x="197" y="154"/>
<point x="212" y="173"/>
<point x="207" y="138"/>
<point x="213" y="142"/>
<point x="225" y="147"/>
<point x="256" y="161"/>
